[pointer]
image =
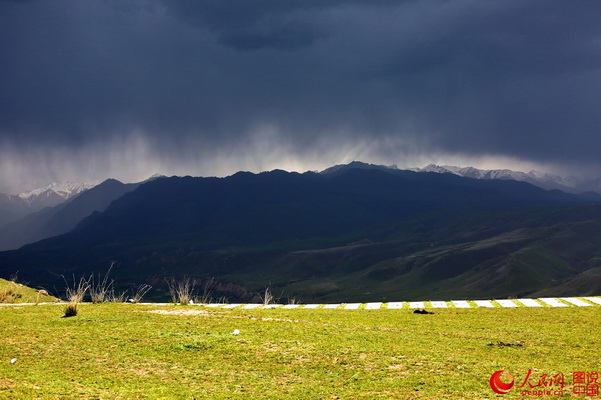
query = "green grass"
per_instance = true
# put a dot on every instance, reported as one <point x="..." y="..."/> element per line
<point x="11" y="292"/>
<point x="121" y="351"/>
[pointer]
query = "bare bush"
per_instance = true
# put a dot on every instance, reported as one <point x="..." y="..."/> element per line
<point x="115" y="297"/>
<point x="100" y="291"/>
<point x="14" y="277"/>
<point x="267" y="297"/>
<point x="77" y="292"/>
<point x="207" y="292"/>
<point x="182" y="290"/>
<point x="140" y="292"/>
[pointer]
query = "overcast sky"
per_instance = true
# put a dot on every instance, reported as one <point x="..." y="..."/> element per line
<point x="91" y="89"/>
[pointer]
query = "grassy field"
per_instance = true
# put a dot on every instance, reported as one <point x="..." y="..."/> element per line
<point x="126" y="351"/>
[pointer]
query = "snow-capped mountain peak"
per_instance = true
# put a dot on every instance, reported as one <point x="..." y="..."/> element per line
<point x="65" y="190"/>
<point x="441" y="169"/>
<point x="53" y="194"/>
<point x="541" y="179"/>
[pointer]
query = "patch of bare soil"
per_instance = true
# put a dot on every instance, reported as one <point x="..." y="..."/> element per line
<point x="180" y="312"/>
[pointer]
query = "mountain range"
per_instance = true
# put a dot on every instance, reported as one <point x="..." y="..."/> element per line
<point x="355" y="232"/>
<point x="14" y="207"/>
<point x="63" y="217"/>
<point x="547" y="181"/>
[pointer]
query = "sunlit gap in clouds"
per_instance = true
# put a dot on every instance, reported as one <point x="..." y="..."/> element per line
<point x="135" y="157"/>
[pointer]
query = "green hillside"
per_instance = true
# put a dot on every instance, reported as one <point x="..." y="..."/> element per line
<point x="12" y="292"/>
<point x="536" y="252"/>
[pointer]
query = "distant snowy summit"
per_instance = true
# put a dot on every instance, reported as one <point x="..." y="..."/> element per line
<point x="15" y="206"/>
<point x="544" y="180"/>
<point x="47" y="196"/>
<point x="56" y="192"/>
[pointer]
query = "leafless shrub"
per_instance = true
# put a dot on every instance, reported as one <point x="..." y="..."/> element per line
<point x="14" y="277"/>
<point x="207" y="292"/>
<point x="115" y="297"/>
<point x="140" y="292"/>
<point x="77" y="292"/>
<point x="267" y="297"/>
<point x="182" y="290"/>
<point x="100" y="291"/>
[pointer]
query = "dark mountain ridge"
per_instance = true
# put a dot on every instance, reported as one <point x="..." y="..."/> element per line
<point x="258" y="208"/>
<point x="297" y="231"/>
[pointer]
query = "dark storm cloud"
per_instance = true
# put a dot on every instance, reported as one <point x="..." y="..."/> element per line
<point x="191" y="80"/>
<point x="253" y="25"/>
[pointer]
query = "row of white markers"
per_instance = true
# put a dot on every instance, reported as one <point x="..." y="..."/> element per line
<point x="507" y="303"/>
